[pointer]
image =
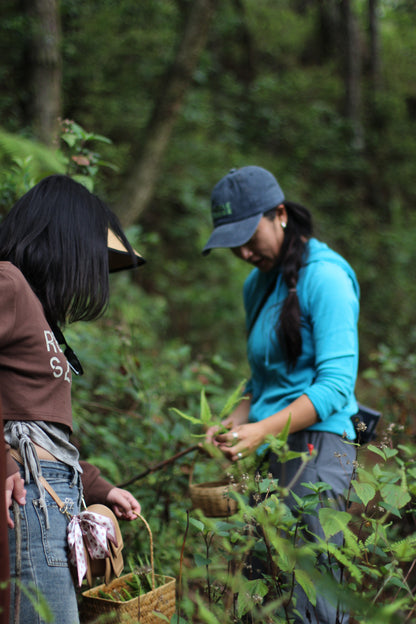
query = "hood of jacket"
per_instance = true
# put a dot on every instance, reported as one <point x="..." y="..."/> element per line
<point x="318" y="251"/>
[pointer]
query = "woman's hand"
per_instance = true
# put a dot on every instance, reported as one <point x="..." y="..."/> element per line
<point x="123" y="504"/>
<point x="241" y="440"/>
<point x="212" y="433"/>
<point x="15" y="488"/>
<point x="237" y="418"/>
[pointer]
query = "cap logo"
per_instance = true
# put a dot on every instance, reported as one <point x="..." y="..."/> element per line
<point x="221" y="210"/>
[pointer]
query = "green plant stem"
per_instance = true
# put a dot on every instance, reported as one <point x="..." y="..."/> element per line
<point x="405" y="579"/>
<point x="409" y="615"/>
<point x="208" y="541"/>
<point x="382" y="588"/>
<point x="181" y="564"/>
<point x="297" y="474"/>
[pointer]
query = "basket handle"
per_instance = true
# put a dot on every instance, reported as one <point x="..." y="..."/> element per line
<point x="151" y="546"/>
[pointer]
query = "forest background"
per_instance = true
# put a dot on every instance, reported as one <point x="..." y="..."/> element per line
<point x="320" y="92"/>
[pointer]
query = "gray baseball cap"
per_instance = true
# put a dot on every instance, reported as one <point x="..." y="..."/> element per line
<point x="238" y="202"/>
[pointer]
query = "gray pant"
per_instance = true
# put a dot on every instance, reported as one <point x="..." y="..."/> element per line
<point x="333" y="464"/>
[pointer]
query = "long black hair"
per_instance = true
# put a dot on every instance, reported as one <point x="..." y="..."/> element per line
<point x="299" y="228"/>
<point x="56" y="234"/>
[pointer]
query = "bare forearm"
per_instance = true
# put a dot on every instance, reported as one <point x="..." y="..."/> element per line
<point x="301" y="412"/>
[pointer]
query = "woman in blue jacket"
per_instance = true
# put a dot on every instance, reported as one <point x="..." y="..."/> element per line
<point x="302" y="306"/>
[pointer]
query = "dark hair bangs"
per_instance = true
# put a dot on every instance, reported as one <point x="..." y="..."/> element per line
<point x="56" y="234"/>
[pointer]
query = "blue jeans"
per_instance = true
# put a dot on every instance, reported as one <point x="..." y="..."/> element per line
<point x="44" y="551"/>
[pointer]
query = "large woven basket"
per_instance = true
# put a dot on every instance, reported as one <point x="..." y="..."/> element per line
<point x="141" y="609"/>
<point x="213" y="498"/>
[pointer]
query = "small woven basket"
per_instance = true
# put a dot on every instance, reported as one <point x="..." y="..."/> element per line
<point x="213" y="498"/>
<point x="142" y="609"/>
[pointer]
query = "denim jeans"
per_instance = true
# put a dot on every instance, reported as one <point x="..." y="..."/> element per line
<point x="44" y="551"/>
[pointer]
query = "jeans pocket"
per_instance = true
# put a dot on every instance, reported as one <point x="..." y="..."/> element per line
<point x="54" y="538"/>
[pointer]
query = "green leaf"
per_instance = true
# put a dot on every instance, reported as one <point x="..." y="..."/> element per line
<point x="317" y="487"/>
<point x="284" y="434"/>
<point x="333" y="521"/>
<point x="206" y="416"/>
<point x="390" y="508"/>
<point x="352" y="542"/>
<point x="85" y="181"/>
<point x="201" y="561"/>
<point x="101" y="138"/>
<point x="251" y="595"/>
<point x="177" y="619"/>
<point x="267" y="485"/>
<point x="364" y="491"/>
<point x="233" y="400"/>
<point x="375" y="449"/>
<point x="366" y="476"/>
<point x="226" y="527"/>
<point x="69" y="139"/>
<point x="161" y="616"/>
<point x="336" y="552"/>
<point x="43" y="160"/>
<point x="307" y="585"/>
<point x="395" y="495"/>
<point x="389" y="452"/>
<point x="405" y="549"/>
<point x="197" y="524"/>
<point x="286" y="560"/>
<point x="192" y="419"/>
<point x="387" y="611"/>
<point x="205" y="614"/>
<point x="38" y="601"/>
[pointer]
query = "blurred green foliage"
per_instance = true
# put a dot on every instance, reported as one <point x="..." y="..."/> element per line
<point x="268" y="90"/>
<point x="371" y="571"/>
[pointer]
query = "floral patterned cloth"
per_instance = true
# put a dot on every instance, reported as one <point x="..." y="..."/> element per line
<point x="91" y="531"/>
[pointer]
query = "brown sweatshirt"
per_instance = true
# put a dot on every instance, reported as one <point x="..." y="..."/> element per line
<point x="35" y="377"/>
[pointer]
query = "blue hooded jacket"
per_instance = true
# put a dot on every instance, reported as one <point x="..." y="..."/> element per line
<point x="326" y="370"/>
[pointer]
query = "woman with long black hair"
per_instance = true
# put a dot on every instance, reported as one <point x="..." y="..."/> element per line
<point x="55" y="260"/>
<point x="302" y="305"/>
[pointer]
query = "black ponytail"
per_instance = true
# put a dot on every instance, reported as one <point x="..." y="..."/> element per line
<point x="299" y="229"/>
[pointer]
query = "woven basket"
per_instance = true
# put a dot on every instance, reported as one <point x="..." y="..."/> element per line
<point x="213" y="498"/>
<point x="141" y="609"/>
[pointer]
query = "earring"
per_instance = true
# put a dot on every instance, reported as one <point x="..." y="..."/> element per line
<point x="283" y="224"/>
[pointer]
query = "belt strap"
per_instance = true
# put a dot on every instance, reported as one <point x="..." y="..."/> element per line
<point x="16" y="455"/>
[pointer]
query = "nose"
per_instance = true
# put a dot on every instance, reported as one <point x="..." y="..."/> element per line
<point x="243" y="252"/>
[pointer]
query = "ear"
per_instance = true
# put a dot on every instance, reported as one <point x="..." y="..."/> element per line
<point x="281" y="213"/>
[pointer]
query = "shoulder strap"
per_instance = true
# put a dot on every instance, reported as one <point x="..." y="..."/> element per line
<point x="73" y="361"/>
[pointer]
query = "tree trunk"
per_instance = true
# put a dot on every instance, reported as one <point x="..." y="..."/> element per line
<point x="328" y="31"/>
<point x="352" y="71"/>
<point x="141" y="184"/>
<point x="46" y="69"/>
<point x="375" y="69"/>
